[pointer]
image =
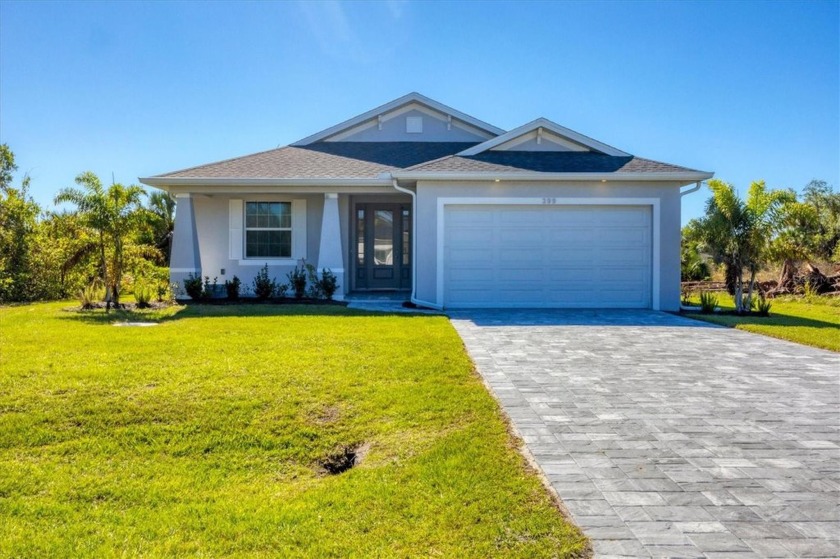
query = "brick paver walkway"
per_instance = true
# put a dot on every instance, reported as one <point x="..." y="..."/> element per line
<point x="667" y="437"/>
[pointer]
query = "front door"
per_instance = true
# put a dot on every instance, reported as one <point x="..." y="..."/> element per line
<point x="383" y="246"/>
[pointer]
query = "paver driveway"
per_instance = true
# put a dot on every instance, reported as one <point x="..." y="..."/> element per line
<point x="665" y="436"/>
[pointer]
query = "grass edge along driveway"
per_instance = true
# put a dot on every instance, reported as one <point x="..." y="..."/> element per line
<point x="207" y="435"/>
<point x="813" y="321"/>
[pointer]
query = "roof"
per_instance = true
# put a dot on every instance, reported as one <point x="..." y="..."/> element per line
<point x="501" y="162"/>
<point x="356" y="160"/>
<point x="412" y="97"/>
<point x="538" y="125"/>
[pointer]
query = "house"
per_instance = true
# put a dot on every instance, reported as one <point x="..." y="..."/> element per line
<point x="417" y="196"/>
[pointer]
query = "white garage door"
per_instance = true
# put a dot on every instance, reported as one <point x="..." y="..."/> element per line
<point x="547" y="256"/>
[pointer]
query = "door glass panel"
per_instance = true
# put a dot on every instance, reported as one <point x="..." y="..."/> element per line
<point x="360" y="237"/>
<point x="383" y="238"/>
<point x="406" y="237"/>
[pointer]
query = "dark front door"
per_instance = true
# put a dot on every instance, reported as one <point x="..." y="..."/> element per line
<point x="383" y="246"/>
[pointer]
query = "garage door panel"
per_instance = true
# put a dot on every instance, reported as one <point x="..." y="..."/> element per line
<point x="555" y="256"/>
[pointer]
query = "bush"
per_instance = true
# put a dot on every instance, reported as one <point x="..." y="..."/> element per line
<point x="282" y="290"/>
<point x="232" y="288"/>
<point x="194" y="287"/>
<point x="328" y="284"/>
<point x="297" y="280"/>
<point x="708" y="302"/>
<point x="210" y="289"/>
<point x="90" y="295"/>
<point x="142" y="294"/>
<point x="264" y="287"/>
<point x="763" y="306"/>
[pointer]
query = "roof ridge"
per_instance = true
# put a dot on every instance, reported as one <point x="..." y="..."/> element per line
<point x="418" y="165"/>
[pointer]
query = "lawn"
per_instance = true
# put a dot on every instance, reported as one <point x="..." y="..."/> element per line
<point x="206" y="436"/>
<point x="814" y="321"/>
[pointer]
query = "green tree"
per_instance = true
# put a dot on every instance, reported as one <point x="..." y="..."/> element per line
<point x="739" y="233"/>
<point x="115" y="214"/>
<point x="18" y="225"/>
<point x="826" y="205"/>
<point x="161" y="212"/>
<point x="692" y="265"/>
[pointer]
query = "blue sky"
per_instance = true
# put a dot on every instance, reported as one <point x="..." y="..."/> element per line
<point x="748" y="90"/>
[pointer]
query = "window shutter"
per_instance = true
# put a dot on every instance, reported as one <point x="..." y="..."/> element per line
<point x="298" y="229"/>
<point x="235" y="229"/>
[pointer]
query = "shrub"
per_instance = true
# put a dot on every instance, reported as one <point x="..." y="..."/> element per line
<point x="314" y="290"/>
<point x="282" y="290"/>
<point x="297" y="280"/>
<point x="90" y="295"/>
<point x="708" y="302"/>
<point x="194" y="287"/>
<point x="210" y="289"/>
<point x="328" y="284"/>
<point x="232" y="288"/>
<point x="763" y="306"/>
<point x="142" y="294"/>
<point x="264" y="287"/>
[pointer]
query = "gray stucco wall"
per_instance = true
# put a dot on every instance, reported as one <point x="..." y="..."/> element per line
<point x="212" y="227"/>
<point x="668" y="195"/>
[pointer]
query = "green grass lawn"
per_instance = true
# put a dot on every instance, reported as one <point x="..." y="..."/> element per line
<point x="203" y="436"/>
<point x="814" y="321"/>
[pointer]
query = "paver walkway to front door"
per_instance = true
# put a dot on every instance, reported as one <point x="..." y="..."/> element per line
<point x="669" y="437"/>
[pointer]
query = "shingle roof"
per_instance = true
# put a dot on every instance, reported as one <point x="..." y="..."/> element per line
<point x="326" y="160"/>
<point x="500" y="162"/>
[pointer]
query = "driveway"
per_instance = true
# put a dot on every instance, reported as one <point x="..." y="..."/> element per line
<point x="666" y="436"/>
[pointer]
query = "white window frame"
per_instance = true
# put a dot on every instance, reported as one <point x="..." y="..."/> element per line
<point x="290" y="229"/>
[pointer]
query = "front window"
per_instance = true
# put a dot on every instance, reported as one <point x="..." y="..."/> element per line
<point x="268" y="229"/>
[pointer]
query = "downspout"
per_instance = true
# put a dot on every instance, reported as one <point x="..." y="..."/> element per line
<point x="691" y="190"/>
<point x="414" y="298"/>
<point x="694" y="188"/>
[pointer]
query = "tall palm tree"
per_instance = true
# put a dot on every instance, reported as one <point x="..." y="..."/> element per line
<point x="114" y="213"/>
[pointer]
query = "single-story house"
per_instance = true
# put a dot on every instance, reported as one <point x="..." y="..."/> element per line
<point x="417" y="196"/>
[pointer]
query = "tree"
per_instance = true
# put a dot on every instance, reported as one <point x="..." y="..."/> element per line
<point x="739" y="233"/>
<point x="114" y="213"/>
<point x="692" y="265"/>
<point x="18" y="223"/>
<point x="161" y="211"/>
<point x="826" y="206"/>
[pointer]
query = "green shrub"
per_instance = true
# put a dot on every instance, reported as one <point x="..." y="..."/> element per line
<point x="328" y="284"/>
<point x="282" y="290"/>
<point x="763" y="305"/>
<point x="232" y="288"/>
<point x="297" y="280"/>
<point x="264" y="287"/>
<point x="708" y="302"/>
<point x="210" y="289"/>
<point x="143" y="295"/>
<point x="90" y="295"/>
<point x="194" y="287"/>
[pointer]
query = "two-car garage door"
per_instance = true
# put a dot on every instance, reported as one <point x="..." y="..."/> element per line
<point x="547" y="256"/>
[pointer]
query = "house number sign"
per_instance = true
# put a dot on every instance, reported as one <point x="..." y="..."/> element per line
<point x="549" y="201"/>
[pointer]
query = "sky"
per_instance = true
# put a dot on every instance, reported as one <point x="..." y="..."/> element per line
<point x="748" y="90"/>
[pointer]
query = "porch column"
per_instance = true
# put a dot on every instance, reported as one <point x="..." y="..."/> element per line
<point x="185" y="258"/>
<point x="330" y="252"/>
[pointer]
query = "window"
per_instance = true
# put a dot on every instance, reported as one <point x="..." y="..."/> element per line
<point x="268" y="229"/>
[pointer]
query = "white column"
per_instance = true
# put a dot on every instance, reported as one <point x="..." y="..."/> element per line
<point x="330" y="253"/>
<point x="185" y="258"/>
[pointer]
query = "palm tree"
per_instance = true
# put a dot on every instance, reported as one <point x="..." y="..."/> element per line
<point x="114" y="214"/>
<point x="162" y="220"/>
<point x="739" y="234"/>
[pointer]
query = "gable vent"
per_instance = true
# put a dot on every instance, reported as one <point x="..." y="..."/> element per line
<point x="414" y="125"/>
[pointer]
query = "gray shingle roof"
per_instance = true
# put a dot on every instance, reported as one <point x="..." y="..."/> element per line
<point x="354" y="160"/>
<point x="500" y="162"/>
